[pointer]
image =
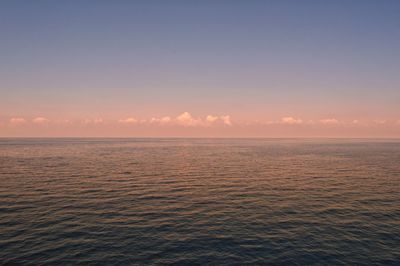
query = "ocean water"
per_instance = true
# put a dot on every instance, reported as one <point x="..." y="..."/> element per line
<point x="199" y="201"/>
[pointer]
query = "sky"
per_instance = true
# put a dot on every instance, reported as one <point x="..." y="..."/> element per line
<point x="200" y="68"/>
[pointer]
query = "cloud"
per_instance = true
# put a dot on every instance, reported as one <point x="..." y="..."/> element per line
<point x="226" y="119"/>
<point x="98" y="121"/>
<point x="187" y="120"/>
<point x="329" y="121"/>
<point x="291" y="120"/>
<point x="129" y="120"/>
<point x="92" y="121"/>
<point x="380" y="121"/>
<point x="161" y="121"/>
<point x="211" y="118"/>
<point x="40" y="120"/>
<point x="17" y="121"/>
<point x="165" y="120"/>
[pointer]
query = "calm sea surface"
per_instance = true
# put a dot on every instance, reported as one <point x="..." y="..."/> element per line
<point x="199" y="201"/>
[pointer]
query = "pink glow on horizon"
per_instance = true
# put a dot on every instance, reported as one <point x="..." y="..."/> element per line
<point x="40" y="120"/>
<point x="187" y="125"/>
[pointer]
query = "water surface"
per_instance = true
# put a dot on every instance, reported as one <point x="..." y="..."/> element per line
<point x="199" y="201"/>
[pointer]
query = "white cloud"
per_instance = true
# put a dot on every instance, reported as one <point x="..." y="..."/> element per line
<point x="92" y="121"/>
<point x="66" y="121"/>
<point x="380" y="121"/>
<point x="129" y="120"/>
<point x="17" y="121"/>
<point x="186" y="119"/>
<point x="227" y="120"/>
<point x="211" y="118"/>
<point x="40" y="120"/>
<point x="98" y="121"/>
<point x="161" y="121"/>
<point x="291" y="120"/>
<point x="165" y="120"/>
<point x="329" y="121"/>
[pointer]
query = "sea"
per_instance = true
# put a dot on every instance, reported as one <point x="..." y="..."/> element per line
<point x="146" y="201"/>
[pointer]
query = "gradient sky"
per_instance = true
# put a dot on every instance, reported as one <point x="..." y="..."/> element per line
<point x="159" y="68"/>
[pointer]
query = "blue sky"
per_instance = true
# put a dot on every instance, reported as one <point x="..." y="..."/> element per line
<point x="250" y="59"/>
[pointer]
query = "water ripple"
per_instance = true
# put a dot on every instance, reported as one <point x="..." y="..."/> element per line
<point x="199" y="201"/>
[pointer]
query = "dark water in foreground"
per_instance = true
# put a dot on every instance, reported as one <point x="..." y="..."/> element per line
<point x="204" y="201"/>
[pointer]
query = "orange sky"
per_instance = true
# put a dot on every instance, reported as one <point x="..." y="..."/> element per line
<point x="188" y="125"/>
